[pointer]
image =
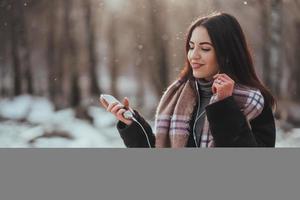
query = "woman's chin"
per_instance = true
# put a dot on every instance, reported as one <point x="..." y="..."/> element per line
<point x="202" y="76"/>
<point x="198" y="75"/>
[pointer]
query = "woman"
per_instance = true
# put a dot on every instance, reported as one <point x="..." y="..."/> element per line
<point x="218" y="100"/>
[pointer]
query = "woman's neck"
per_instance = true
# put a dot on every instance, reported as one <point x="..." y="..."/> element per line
<point x="205" y="87"/>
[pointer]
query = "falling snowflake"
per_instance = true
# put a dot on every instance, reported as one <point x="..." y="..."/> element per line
<point x="140" y="47"/>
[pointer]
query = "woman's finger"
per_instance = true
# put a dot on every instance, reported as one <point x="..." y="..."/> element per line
<point x="121" y="117"/>
<point x="222" y="80"/>
<point x="120" y="113"/>
<point x="225" y="76"/>
<point x="126" y="102"/>
<point x="103" y="103"/>
<point x="221" y="75"/>
<point x="110" y="106"/>
<point x="215" y="87"/>
<point x="216" y="76"/>
<point x="116" y="108"/>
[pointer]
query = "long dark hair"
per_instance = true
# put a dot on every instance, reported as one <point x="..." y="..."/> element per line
<point x="232" y="52"/>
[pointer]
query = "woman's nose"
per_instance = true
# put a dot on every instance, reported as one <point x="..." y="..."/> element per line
<point x="196" y="54"/>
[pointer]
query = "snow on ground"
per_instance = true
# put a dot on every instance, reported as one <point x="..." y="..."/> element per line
<point x="28" y="118"/>
<point x="289" y="139"/>
<point x="41" y="118"/>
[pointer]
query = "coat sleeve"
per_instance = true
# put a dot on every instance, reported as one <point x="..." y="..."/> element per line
<point x="230" y="128"/>
<point x="134" y="136"/>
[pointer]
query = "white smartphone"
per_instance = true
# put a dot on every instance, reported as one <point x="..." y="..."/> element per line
<point x="111" y="99"/>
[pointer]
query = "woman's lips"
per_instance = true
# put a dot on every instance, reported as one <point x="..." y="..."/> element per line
<point x="197" y="65"/>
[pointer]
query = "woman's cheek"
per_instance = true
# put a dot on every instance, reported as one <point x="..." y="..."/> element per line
<point x="189" y="56"/>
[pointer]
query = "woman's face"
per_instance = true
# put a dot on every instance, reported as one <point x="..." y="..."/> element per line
<point x="202" y="55"/>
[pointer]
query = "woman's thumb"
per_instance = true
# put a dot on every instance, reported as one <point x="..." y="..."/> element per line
<point x="126" y="102"/>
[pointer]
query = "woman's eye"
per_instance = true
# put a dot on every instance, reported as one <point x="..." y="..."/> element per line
<point x="190" y="47"/>
<point x="205" y="49"/>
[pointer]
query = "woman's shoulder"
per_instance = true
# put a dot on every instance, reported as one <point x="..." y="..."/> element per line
<point x="178" y="82"/>
<point x="176" y="85"/>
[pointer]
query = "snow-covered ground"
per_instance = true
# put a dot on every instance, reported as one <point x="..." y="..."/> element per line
<point x="40" y="118"/>
<point x="31" y="122"/>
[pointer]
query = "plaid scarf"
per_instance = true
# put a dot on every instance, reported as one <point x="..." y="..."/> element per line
<point x="176" y="107"/>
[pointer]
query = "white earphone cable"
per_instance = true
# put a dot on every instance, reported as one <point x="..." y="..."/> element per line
<point x="148" y="141"/>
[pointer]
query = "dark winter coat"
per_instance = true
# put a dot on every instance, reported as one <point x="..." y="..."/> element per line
<point x="228" y="126"/>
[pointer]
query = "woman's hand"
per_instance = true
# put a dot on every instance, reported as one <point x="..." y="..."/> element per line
<point x="223" y="86"/>
<point x="118" y="110"/>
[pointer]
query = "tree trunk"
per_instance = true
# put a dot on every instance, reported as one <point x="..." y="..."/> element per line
<point x="275" y="45"/>
<point x="52" y="76"/>
<point x="140" y="72"/>
<point x="72" y="55"/>
<point x="3" y="49"/>
<point x="271" y="21"/>
<point x="16" y="63"/>
<point x="62" y="71"/>
<point x="91" y="46"/>
<point x="113" y="64"/>
<point x="160" y="72"/>
<point x="296" y="71"/>
<point x="2" y="65"/>
<point x="266" y="38"/>
<point x="26" y="55"/>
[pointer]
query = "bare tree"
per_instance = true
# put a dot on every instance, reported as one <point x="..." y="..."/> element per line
<point x="3" y="67"/>
<point x="275" y="45"/>
<point x="26" y="49"/>
<point x="264" y="5"/>
<point x="160" y="72"/>
<point x="91" y="46"/>
<point x="140" y="66"/>
<point x="51" y="53"/>
<point x="71" y="67"/>
<point x="296" y="68"/>
<point x="14" y="27"/>
<point x="113" y="61"/>
<point x="271" y="22"/>
<point x="140" y="49"/>
<point x="61" y="72"/>
<point x="4" y="17"/>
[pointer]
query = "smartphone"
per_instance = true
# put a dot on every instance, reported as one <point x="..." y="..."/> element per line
<point x="111" y="99"/>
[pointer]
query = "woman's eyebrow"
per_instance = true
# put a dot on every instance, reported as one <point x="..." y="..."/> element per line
<point x="201" y="43"/>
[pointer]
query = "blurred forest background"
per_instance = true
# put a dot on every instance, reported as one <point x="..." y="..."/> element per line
<point x="71" y="51"/>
